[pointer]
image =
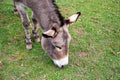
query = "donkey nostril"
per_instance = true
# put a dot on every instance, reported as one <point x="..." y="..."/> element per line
<point x="62" y="66"/>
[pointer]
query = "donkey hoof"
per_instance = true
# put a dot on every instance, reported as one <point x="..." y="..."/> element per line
<point x="29" y="47"/>
<point x="16" y="13"/>
<point x="37" y="40"/>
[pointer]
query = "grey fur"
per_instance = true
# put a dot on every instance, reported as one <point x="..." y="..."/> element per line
<point x="47" y="15"/>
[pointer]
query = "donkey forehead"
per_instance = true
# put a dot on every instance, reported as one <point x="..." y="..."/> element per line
<point x="61" y="38"/>
<point x="62" y="35"/>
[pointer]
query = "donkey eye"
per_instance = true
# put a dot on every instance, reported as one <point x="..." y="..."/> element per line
<point x="58" y="47"/>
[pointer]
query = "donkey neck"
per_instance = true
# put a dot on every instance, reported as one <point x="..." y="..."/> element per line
<point x="47" y="13"/>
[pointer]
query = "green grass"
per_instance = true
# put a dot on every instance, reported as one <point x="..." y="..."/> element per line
<point x="94" y="50"/>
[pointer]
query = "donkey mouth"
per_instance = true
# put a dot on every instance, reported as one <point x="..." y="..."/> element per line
<point x="62" y="62"/>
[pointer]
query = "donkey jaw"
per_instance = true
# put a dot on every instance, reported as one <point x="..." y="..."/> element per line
<point x="62" y="62"/>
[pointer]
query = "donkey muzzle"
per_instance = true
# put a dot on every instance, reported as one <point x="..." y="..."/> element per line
<point x="62" y="62"/>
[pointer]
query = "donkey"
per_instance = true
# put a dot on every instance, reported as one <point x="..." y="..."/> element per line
<point x="55" y="35"/>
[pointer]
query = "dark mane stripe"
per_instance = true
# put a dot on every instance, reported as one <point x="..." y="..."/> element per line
<point x="61" y="18"/>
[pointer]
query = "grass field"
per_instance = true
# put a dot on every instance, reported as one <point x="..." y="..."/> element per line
<point x="94" y="50"/>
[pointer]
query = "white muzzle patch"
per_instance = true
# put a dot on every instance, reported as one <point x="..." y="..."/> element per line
<point x="62" y="62"/>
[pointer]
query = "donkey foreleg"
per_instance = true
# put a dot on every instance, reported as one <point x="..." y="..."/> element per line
<point x="26" y="23"/>
<point x="15" y="9"/>
<point x="35" y="29"/>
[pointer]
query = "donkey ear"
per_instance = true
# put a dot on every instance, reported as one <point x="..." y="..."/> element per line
<point x="73" y="18"/>
<point x="50" y="33"/>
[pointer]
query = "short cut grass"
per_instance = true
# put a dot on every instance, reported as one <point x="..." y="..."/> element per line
<point x="94" y="51"/>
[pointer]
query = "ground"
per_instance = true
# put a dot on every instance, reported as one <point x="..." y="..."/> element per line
<point x="94" y="50"/>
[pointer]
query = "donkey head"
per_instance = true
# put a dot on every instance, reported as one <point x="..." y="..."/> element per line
<point x="56" y="41"/>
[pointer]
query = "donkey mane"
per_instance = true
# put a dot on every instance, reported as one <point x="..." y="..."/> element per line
<point x="61" y="18"/>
